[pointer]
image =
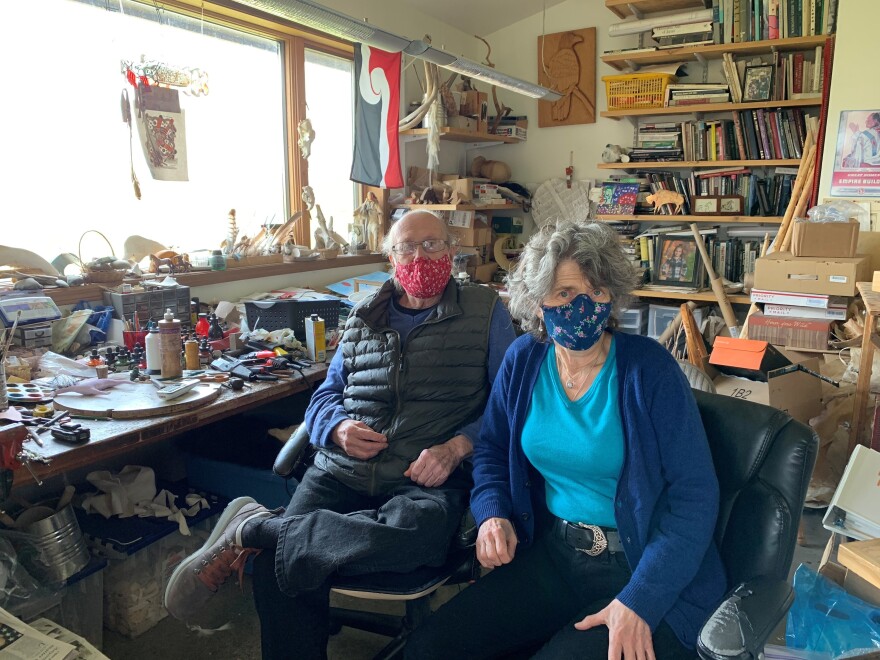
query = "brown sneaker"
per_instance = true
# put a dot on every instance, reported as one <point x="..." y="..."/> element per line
<point x="199" y="576"/>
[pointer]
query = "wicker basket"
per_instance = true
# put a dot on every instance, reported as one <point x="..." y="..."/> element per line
<point x="105" y="277"/>
<point x="636" y="90"/>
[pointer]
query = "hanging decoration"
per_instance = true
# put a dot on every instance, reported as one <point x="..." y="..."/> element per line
<point x="126" y="117"/>
<point x="567" y="64"/>
<point x="151" y="73"/>
<point x="162" y="131"/>
<point x="306" y="137"/>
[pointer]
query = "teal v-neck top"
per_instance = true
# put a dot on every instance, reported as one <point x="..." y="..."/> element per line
<point x="577" y="446"/>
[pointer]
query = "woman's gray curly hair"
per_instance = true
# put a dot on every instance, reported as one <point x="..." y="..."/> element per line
<point x="594" y="246"/>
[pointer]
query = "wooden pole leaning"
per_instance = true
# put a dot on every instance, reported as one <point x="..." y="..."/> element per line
<point x="808" y="156"/>
<point x="800" y="209"/>
<point x="717" y="284"/>
<point x="675" y="324"/>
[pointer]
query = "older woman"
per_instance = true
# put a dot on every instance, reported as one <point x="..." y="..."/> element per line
<point x="594" y="489"/>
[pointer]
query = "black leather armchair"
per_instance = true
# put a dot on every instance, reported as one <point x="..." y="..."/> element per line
<point x="764" y="460"/>
<point x="414" y="589"/>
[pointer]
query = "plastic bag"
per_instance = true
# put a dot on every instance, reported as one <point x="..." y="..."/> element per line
<point x="99" y="320"/>
<point x="18" y="588"/>
<point x="838" y="211"/>
<point x="826" y="618"/>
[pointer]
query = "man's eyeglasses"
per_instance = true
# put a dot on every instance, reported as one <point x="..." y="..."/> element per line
<point x="430" y="246"/>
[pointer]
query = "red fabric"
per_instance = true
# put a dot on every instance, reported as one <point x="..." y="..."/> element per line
<point x="423" y="277"/>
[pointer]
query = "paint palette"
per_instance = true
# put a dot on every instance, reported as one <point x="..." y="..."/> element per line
<point x="19" y="393"/>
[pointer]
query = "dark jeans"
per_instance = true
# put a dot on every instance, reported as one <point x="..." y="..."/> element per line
<point x="330" y="529"/>
<point x="530" y="606"/>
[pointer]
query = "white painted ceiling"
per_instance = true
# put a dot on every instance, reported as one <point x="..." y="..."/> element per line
<point x="481" y="17"/>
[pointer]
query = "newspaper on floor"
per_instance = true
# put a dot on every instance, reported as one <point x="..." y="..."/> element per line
<point x="20" y="641"/>
<point x="84" y="650"/>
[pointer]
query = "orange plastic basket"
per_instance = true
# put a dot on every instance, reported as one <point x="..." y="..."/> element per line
<point x="636" y="90"/>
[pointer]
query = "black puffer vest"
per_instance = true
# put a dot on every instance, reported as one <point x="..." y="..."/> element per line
<point x="419" y="397"/>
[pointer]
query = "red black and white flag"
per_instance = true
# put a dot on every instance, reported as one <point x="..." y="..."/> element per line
<point x="376" y="160"/>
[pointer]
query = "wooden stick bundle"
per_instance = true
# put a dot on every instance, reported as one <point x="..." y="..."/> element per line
<point x="808" y="162"/>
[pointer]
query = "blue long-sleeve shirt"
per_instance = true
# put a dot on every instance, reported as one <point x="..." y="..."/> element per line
<point x="326" y="409"/>
<point x="667" y="496"/>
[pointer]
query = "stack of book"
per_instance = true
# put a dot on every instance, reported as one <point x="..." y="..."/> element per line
<point x="750" y="135"/>
<point x="796" y="319"/>
<point x="657" y="141"/>
<point x="687" y="34"/>
<point x="696" y="93"/>
<point x="756" y="20"/>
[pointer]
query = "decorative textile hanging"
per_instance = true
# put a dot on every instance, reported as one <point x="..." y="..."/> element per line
<point x="162" y="132"/>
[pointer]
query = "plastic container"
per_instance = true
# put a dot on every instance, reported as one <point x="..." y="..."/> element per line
<point x="636" y="90"/>
<point x="634" y="320"/>
<point x="660" y="316"/>
<point x="151" y="346"/>
<point x="170" y="345"/>
<point x="231" y="480"/>
<point x="151" y="304"/>
<point x="81" y="609"/>
<point x="279" y="314"/>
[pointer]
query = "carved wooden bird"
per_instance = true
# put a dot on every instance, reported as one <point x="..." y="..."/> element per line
<point x="564" y="71"/>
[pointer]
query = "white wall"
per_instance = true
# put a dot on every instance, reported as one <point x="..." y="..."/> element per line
<point x="546" y="152"/>
<point x="855" y="83"/>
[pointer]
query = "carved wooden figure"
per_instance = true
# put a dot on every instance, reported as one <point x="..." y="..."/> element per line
<point x="566" y="64"/>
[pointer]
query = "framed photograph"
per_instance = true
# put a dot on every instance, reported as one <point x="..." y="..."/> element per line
<point x="758" y="82"/>
<point x="730" y="205"/>
<point x="706" y="205"/>
<point x="676" y="261"/>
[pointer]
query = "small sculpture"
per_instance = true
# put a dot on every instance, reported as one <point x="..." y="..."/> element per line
<point x="369" y="216"/>
<point x="178" y="263"/>
<point x="662" y="197"/>
<point x="495" y="170"/>
<point x="231" y="233"/>
<point x="614" y="153"/>
<point x="326" y="238"/>
<point x="306" y="137"/>
<point x="308" y="197"/>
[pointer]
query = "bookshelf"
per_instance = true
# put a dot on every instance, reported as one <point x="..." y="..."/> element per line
<point x="459" y="135"/>
<point x="761" y="135"/>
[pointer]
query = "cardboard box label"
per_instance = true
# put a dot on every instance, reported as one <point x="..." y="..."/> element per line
<point x="838" y="279"/>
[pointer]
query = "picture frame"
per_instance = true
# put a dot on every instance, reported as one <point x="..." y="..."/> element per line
<point x="706" y="205"/>
<point x="730" y="205"/>
<point x="758" y="82"/>
<point x="677" y="261"/>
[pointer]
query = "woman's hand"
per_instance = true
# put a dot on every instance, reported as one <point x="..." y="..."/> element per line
<point x="629" y="637"/>
<point x="496" y="542"/>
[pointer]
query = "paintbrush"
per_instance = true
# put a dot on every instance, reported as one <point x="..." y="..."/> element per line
<point x="7" y="342"/>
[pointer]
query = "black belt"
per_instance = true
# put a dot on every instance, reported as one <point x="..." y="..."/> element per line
<point x="589" y="539"/>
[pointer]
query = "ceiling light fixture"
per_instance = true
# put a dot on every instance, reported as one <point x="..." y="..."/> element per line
<point x="339" y="25"/>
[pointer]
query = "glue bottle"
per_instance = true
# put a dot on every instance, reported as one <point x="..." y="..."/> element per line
<point x="170" y="345"/>
<point x="191" y="349"/>
<point x="154" y="351"/>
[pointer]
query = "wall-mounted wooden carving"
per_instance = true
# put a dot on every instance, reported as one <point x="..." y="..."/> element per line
<point x="567" y="64"/>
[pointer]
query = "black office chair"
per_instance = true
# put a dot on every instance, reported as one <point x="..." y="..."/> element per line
<point x="764" y="460"/>
<point x="414" y="589"/>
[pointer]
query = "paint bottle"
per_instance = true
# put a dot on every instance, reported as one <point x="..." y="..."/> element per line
<point x="191" y="349"/>
<point x="170" y="345"/>
<point x="316" y="340"/>
<point x="154" y="351"/>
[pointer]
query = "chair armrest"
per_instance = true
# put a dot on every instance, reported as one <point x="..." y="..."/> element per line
<point x="741" y="625"/>
<point x="292" y="453"/>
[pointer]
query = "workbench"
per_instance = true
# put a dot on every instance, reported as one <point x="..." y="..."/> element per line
<point x="870" y="340"/>
<point x="113" y="437"/>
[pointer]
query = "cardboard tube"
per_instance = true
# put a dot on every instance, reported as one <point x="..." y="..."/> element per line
<point x="807" y="157"/>
<point x="717" y="284"/>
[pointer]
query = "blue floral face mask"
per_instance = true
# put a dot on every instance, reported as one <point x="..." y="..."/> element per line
<point x="577" y="325"/>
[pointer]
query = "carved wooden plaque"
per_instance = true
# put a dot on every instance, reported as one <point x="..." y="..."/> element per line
<point x="567" y="64"/>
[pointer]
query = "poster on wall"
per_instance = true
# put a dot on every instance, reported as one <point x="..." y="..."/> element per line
<point x="857" y="159"/>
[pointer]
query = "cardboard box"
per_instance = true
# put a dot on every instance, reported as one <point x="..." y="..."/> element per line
<point x="756" y="371"/>
<point x="791" y="331"/>
<point x="825" y="239"/>
<point x="862" y="558"/>
<point x="478" y="234"/>
<point x="464" y="187"/>
<point x="463" y="219"/>
<point x="474" y="104"/>
<point x="853" y="510"/>
<point x="484" y="273"/>
<point x="851" y="582"/>
<point x="465" y="123"/>
<point x="834" y="276"/>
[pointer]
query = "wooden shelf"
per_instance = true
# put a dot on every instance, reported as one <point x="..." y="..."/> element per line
<point x="687" y="164"/>
<point x="708" y="219"/>
<point x="460" y="207"/>
<point x="708" y="107"/>
<point x="700" y="296"/>
<point x="624" y="8"/>
<point x="459" y="135"/>
<point x="624" y="61"/>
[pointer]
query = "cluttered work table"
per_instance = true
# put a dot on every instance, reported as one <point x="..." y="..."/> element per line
<point x="111" y="436"/>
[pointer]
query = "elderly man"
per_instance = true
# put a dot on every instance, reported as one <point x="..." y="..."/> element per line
<point x="393" y="421"/>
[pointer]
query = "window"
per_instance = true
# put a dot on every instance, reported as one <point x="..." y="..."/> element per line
<point x="68" y="154"/>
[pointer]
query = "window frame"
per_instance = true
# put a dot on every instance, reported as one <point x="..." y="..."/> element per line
<point x="294" y="40"/>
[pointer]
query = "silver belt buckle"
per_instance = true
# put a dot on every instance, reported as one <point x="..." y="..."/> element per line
<point x="599" y="540"/>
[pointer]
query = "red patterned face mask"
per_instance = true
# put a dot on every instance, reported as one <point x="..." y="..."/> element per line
<point x="423" y="277"/>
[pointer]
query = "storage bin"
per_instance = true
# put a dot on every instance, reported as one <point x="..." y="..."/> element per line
<point x="636" y="90"/>
<point x="142" y="553"/>
<point x="660" y="316"/>
<point x="279" y="314"/>
<point x="634" y="320"/>
<point x="231" y="480"/>
<point x="81" y="609"/>
<point x="151" y="304"/>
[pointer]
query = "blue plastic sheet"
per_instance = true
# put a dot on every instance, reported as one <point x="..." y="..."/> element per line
<point x="826" y="618"/>
<point x="99" y="320"/>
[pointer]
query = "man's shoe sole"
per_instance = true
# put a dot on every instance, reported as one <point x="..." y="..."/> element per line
<point x="228" y="514"/>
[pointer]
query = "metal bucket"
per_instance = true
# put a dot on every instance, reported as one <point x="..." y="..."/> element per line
<point x="55" y="548"/>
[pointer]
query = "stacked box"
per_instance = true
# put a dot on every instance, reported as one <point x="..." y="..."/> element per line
<point x="151" y="304"/>
<point x="81" y="609"/>
<point x="634" y="320"/>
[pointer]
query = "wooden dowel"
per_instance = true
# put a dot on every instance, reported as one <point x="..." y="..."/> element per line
<point x="717" y="283"/>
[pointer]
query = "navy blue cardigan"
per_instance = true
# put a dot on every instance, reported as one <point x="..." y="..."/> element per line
<point x="667" y="496"/>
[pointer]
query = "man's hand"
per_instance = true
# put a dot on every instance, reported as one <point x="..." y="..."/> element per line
<point x="358" y="440"/>
<point x="629" y="636"/>
<point x="496" y="542"/>
<point x="434" y="465"/>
